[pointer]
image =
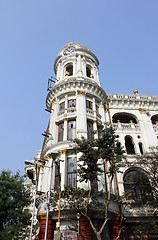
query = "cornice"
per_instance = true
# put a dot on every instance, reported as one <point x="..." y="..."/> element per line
<point x="133" y="101"/>
<point x="57" y="146"/>
<point x="72" y="84"/>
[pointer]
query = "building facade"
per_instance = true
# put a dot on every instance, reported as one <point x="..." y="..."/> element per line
<point x="78" y="106"/>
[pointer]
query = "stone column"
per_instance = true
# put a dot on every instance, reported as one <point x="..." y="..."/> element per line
<point x="65" y="129"/>
<point x="66" y="102"/>
<point x="95" y="129"/>
<point x="63" y="167"/>
<point x="54" y="127"/>
<point x="58" y="75"/>
<point x="79" y="71"/>
<point x="81" y="114"/>
<point x="148" y="134"/>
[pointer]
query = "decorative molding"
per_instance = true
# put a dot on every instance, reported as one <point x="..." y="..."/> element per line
<point x="61" y="152"/>
<point x="80" y="93"/>
<point x="142" y="110"/>
<point x="133" y="101"/>
<point x="48" y="156"/>
<point x="65" y="119"/>
<point x="88" y="85"/>
<point x="53" y="101"/>
<point x="91" y="76"/>
<point x="135" y="91"/>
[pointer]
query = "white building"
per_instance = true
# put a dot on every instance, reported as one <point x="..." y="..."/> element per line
<point x="78" y="106"/>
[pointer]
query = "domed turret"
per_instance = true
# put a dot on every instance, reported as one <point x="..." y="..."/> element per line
<point x="76" y="61"/>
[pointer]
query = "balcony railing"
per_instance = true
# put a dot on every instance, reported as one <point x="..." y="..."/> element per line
<point x="155" y="128"/>
<point x="67" y="110"/>
<point x="126" y="127"/>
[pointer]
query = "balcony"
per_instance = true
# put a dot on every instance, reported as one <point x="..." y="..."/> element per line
<point x="126" y="127"/>
<point x="67" y="111"/>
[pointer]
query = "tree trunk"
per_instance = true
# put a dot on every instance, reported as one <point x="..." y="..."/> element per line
<point x="98" y="235"/>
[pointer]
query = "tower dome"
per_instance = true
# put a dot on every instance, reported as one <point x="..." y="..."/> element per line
<point x="75" y="60"/>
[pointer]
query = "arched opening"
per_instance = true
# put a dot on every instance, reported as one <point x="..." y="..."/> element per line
<point x="124" y="118"/>
<point x="69" y="70"/>
<point x="154" y="119"/>
<point x="129" y="145"/>
<point x="137" y="186"/>
<point x="141" y="147"/>
<point x="88" y="71"/>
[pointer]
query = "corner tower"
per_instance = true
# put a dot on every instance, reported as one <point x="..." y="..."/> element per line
<point x="76" y="101"/>
<point x="76" y="104"/>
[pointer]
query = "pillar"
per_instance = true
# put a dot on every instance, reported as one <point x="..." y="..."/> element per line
<point x="85" y="229"/>
<point x="81" y="114"/>
<point x="51" y="228"/>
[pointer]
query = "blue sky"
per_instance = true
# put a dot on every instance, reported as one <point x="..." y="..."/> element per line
<point x="123" y="34"/>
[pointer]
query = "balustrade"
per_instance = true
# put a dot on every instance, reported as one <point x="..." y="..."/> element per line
<point x="126" y="127"/>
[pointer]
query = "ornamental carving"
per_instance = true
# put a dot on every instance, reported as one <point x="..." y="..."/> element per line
<point x="80" y="93"/>
<point x="53" y="101"/>
<point x="142" y="110"/>
<point x="61" y="152"/>
<point x="47" y="157"/>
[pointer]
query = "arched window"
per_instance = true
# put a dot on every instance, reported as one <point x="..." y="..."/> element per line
<point x="88" y="71"/>
<point x="129" y="145"/>
<point x="69" y="70"/>
<point x="124" y="118"/>
<point x="136" y="185"/>
<point x="154" y="119"/>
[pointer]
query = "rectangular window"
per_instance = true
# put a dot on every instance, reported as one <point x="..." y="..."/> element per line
<point x="71" y="171"/>
<point x="89" y="130"/>
<point x="60" y="132"/>
<point x="57" y="176"/>
<point x="88" y="104"/>
<point x="99" y="128"/>
<point x="72" y="103"/>
<point x="71" y="129"/>
<point x="97" y="109"/>
<point x="61" y="106"/>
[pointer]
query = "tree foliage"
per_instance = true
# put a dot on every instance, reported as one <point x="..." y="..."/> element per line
<point x="94" y="154"/>
<point x="14" y="200"/>
<point x="105" y="148"/>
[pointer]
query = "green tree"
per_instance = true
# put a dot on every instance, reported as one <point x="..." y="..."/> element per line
<point x="14" y="200"/>
<point x="94" y="154"/>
